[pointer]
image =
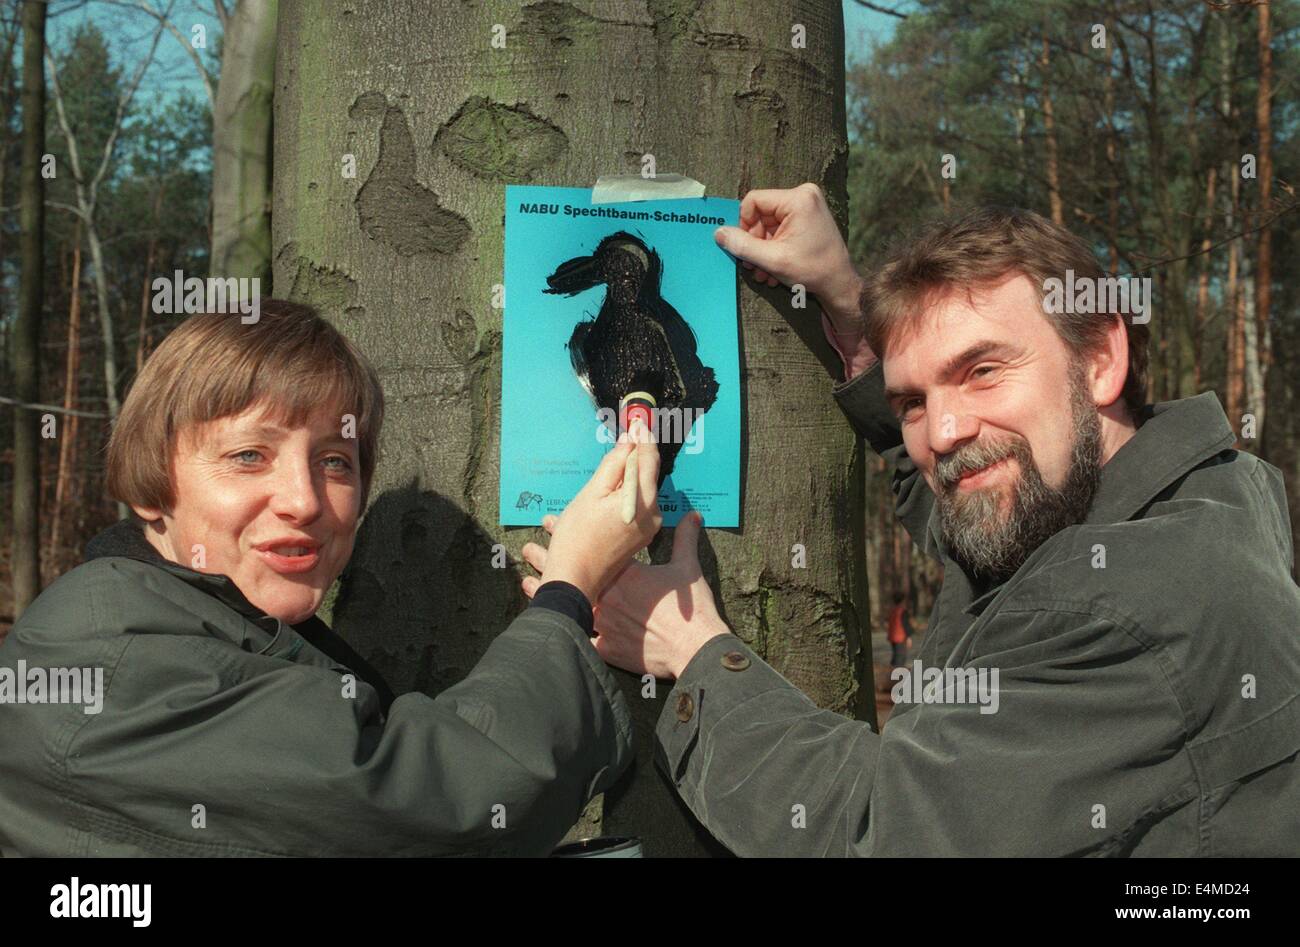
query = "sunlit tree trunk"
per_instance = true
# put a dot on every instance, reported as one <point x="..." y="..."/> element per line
<point x="404" y="255"/>
<point x="241" y="143"/>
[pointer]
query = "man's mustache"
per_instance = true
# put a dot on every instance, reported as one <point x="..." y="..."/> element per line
<point x="975" y="457"/>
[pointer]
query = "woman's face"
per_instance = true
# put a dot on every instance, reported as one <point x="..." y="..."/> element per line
<point x="275" y="508"/>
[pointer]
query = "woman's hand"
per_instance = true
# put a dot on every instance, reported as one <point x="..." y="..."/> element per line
<point x="590" y="543"/>
<point x="790" y="236"/>
<point x="652" y="619"/>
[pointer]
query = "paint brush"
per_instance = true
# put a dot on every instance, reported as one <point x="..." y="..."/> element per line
<point x="635" y="408"/>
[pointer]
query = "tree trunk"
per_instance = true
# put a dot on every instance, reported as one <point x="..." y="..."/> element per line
<point x="1112" y="187"/>
<point x="1264" y="252"/>
<point x="1049" y="131"/>
<point x="8" y="93"/>
<point x="142" y="336"/>
<point x="1235" y="382"/>
<point x="579" y="90"/>
<point x="1203" y="280"/>
<point x="105" y="318"/>
<point x="1250" y="354"/>
<point x="1019" y="80"/>
<point x="25" y="560"/>
<point x="68" y="442"/>
<point x="1234" y="370"/>
<point x="241" y="144"/>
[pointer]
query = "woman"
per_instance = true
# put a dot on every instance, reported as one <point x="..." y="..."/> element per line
<point x="235" y="722"/>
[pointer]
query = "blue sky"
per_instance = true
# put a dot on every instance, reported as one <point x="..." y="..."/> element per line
<point x="862" y="26"/>
<point x="130" y="32"/>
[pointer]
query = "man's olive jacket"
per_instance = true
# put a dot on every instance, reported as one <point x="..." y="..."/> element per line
<point x="1148" y="686"/>
<point x="225" y="732"/>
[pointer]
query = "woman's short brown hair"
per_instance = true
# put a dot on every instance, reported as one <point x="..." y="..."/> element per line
<point x="213" y="365"/>
<point x="980" y="247"/>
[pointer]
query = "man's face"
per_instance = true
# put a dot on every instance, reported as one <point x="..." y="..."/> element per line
<point x="1000" y="421"/>
<point x="275" y="508"/>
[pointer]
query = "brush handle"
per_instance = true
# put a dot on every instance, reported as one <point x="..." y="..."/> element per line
<point x="629" y="486"/>
<point x="635" y="408"/>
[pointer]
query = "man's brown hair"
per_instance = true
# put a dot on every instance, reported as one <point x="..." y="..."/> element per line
<point x="214" y="366"/>
<point x="980" y="247"/>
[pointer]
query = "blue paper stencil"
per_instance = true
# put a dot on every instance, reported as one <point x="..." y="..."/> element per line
<point x="552" y="436"/>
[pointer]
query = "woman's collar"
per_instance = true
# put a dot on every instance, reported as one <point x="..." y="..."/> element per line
<point x="126" y="539"/>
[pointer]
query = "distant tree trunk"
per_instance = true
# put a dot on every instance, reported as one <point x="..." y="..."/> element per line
<point x="1181" y="230"/>
<point x="1112" y="187"/>
<point x="1250" y="355"/>
<point x="1203" y="279"/>
<point x="407" y="269"/>
<point x="25" y="559"/>
<point x="1049" y="130"/>
<point x="142" y="336"/>
<point x="8" y="92"/>
<point x="241" y="144"/>
<point x="106" y="325"/>
<point x="905" y="541"/>
<point x="1234" y="372"/>
<point x="1236" y="321"/>
<point x="1018" y="79"/>
<point x="68" y="441"/>
<point x="1264" y="253"/>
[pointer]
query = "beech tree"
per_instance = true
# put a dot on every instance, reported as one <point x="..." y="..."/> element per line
<point x="397" y="127"/>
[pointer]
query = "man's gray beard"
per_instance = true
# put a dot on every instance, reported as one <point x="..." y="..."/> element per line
<point x="991" y="546"/>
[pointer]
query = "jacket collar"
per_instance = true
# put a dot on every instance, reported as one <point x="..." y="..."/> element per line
<point x="1172" y="438"/>
<point x="126" y="539"/>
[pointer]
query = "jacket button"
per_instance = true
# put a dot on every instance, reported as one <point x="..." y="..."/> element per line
<point x="735" y="661"/>
<point x="685" y="707"/>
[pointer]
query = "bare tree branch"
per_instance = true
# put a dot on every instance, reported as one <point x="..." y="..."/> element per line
<point x="123" y="103"/>
<point x="862" y="3"/>
<point x="51" y="408"/>
<point x="75" y="211"/>
<point x="1226" y="240"/>
<point x="193" y="53"/>
<point x="74" y="155"/>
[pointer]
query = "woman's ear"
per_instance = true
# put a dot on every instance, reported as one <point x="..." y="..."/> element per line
<point x="150" y="515"/>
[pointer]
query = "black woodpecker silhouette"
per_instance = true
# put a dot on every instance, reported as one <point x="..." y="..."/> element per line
<point x="638" y="341"/>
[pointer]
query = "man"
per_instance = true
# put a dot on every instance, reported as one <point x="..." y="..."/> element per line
<point x="1113" y="664"/>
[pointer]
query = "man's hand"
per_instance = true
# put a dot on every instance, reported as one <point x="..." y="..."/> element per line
<point x="790" y="236"/>
<point x="652" y="619"/>
<point x="590" y="543"/>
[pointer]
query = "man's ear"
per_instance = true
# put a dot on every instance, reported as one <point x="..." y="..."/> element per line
<point x="1108" y="365"/>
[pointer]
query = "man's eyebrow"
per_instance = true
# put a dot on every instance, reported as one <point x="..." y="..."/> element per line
<point x="955" y="364"/>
